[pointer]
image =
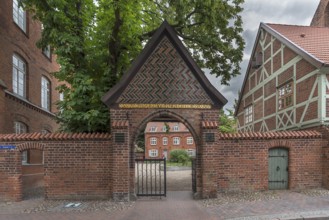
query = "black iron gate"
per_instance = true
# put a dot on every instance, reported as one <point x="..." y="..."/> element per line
<point x="194" y="175"/>
<point x="151" y="177"/>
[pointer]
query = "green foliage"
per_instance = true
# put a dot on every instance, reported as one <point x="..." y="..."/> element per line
<point x="140" y="142"/>
<point x="96" y="40"/>
<point x="227" y="123"/>
<point x="179" y="156"/>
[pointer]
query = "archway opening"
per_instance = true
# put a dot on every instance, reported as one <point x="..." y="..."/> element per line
<point x="170" y="139"/>
<point x="32" y="174"/>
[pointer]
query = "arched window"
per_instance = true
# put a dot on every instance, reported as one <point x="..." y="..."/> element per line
<point x="45" y="93"/>
<point x="19" y="76"/>
<point x="20" y="127"/>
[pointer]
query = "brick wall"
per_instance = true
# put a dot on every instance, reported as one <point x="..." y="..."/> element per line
<point x="237" y="163"/>
<point x="76" y="166"/>
<point x="10" y="172"/>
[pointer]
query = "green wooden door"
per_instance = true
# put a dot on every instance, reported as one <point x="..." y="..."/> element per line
<point x="278" y="168"/>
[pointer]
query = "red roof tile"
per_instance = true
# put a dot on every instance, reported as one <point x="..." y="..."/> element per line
<point x="53" y="136"/>
<point x="271" y="135"/>
<point x="209" y="124"/>
<point x="120" y="124"/>
<point x="314" y="40"/>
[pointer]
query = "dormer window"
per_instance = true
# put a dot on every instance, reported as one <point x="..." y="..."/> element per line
<point x="153" y="129"/>
<point x="176" y="127"/>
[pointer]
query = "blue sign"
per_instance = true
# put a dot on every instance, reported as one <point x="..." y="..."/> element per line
<point x="9" y="147"/>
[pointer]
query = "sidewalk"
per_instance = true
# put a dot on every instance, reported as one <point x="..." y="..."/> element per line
<point x="179" y="205"/>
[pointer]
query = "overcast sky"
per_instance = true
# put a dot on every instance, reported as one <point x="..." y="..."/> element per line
<point x="296" y="12"/>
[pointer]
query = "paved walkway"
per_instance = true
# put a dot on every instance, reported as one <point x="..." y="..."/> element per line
<point x="179" y="205"/>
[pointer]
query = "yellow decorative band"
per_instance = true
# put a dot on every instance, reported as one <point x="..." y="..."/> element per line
<point x="184" y="106"/>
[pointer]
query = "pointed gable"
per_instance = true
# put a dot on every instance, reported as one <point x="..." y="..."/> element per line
<point x="164" y="73"/>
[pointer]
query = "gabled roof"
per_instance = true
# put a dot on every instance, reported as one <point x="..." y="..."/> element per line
<point x="304" y="40"/>
<point x="165" y="30"/>
<point x="312" y="43"/>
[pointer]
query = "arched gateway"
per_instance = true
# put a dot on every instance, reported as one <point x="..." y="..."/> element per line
<point x="164" y="82"/>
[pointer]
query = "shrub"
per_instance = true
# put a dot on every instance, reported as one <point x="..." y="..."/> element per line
<point x="179" y="156"/>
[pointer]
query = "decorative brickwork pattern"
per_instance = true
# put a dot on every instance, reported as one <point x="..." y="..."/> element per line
<point x="165" y="78"/>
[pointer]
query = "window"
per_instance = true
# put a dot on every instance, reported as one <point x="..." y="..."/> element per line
<point x="153" y="129"/>
<point x="153" y="153"/>
<point x="248" y="114"/>
<point x="153" y="141"/>
<point x="46" y="51"/>
<point x="191" y="152"/>
<point x="24" y="157"/>
<point x="189" y="140"/>
<point x="45" y="93"/>
<point x="19" y="75"/>
<point x="176" y="140"/>
<point x="285" y="95"/>
<point x="165" y="141"/>
<point x="176" y="128"/>
<point x="45" y="131"/>
<point x="164" y="128"/>
<point x="19" y="15"/>
<point x="20" y="127"/>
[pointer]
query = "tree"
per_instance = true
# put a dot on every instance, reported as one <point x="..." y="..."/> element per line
<point x="95" y="42"/>
<point x="227" y="123"/>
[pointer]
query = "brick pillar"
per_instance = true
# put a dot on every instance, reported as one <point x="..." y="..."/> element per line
<point x="120" y="160"/>
<point x="209" y="170"/>
<point x="2" y="105"/>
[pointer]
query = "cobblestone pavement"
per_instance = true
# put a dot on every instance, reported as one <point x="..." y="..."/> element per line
<point x="309" y="204"/>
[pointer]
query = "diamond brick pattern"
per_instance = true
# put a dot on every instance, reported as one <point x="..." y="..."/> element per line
<point x="165" y="78"/>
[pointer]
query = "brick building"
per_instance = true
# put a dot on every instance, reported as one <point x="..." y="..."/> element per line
<point x="161" y="138"/>
<point x="286" y="84"/>
<point x="27" y="86"/>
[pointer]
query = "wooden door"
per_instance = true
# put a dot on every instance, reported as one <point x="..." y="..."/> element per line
<point x="278" y="168"/>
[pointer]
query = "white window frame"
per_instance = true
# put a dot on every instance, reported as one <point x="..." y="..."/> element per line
<point x="19" y="16"/>
<point x="45" y="93"/>
<point x="189" y="140"/>
<point x="19" y="76"/>
<point x="153" y="129"/>
<point x="46" y="51"/>
<point x="248" y="114"/>
<point x="153" y="153"/>
<point x="153" y="141"/>
<point x="176" y="128"/>
<point x="165" y="141"/>
<point x="176" y="140"/>
<point x="24" y="157"/>
<point x="20" y="127"/>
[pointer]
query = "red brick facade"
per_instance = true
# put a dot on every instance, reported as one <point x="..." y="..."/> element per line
<point x="163" y="142"/>
<point x="14" y="41"/>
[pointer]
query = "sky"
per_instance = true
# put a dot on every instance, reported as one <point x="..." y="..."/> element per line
<point x="295" y="12"/>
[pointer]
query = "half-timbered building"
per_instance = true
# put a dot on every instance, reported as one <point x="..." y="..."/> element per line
<point x="286" y="85"/>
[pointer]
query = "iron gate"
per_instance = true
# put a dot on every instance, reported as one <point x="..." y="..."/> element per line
<point x="278" y="168"/>
<point x="151" y="177"/>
